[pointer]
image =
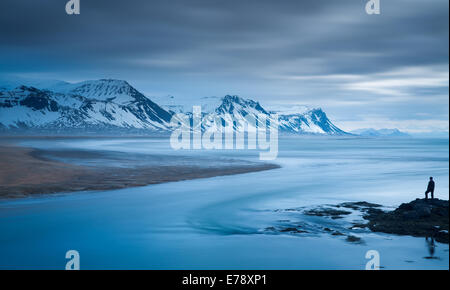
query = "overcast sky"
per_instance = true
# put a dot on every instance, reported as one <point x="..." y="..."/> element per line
<point x="381" y="71"/>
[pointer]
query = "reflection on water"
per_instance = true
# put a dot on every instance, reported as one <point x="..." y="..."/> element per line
<point x="431" y="248"/>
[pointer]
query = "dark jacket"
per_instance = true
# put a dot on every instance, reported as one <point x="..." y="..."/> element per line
<point x="430" y="186"/>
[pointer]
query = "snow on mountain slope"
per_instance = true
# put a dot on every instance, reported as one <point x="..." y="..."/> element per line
<point x="238" y="111"/>
<point x="28" y="107"/>
<point x="113" y="104"/>
<point x="25" y="107"/>
<point x="104" y="90"/>
<point x="122" y="93"/>
<point x="314" y="121"/>
<point x="289" y="109"/>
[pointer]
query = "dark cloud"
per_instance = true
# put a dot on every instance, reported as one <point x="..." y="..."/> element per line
<point x="207" y="47"/>
<point x="253" y="31"/>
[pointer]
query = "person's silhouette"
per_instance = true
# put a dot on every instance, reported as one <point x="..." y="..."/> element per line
<point x="430" y="188"/>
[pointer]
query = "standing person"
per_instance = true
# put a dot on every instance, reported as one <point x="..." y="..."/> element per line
<point x="430" y="189"/>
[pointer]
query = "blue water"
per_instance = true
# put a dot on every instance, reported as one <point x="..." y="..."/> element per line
<point x="218" y="223"/>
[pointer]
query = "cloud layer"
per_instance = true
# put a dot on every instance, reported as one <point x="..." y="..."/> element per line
<point x="391" y="67"/>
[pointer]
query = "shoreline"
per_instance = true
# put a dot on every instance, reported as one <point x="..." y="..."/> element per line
<point x="264" y="212"/>
<point x="352" y="220"/>
<point x="26" y="172"/>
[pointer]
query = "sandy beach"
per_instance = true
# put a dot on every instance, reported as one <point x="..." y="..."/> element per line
<point x="28" y="171"/>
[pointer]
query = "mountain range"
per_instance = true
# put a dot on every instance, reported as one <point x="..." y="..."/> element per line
<point x="109" y="105"/>
<point x="370" y="132"/>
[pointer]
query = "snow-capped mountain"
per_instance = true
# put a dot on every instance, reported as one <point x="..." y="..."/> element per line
<point x="118" y="91"/>
<point x="94" y="104"/>
<point x="115" y="104"/>
<point x="313" y="121"/>
<point x="237" y="111"/>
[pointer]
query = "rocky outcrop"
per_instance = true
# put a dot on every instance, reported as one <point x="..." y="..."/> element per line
<point x="420" y="218"/>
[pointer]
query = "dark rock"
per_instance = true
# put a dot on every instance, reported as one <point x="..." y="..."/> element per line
<point x="421" y="218"/>
<point x="270" y="229"/>
<point x="288" y="230"/>
<point x="327" y="212"/>
<point x="336" y="233"/>
<point x="358" y="205"/>
<point x="374" y="211"/>
<point x="292" y="230"/>
<point x="431" y="258"/>
<point x="358" y="226"/>
<point x="353" y="239"/>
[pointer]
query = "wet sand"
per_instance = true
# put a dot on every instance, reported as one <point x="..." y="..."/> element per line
<point x="27" y="171"/>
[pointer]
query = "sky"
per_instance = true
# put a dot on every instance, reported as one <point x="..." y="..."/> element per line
<point x="366" y="71"/>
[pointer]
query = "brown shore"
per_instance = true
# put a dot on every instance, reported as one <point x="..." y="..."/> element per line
<point x="26" y="171"/>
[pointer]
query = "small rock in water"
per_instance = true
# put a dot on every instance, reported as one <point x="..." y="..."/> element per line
<point x="327" y="212"/>
<point x="292" y="230"/>
<point x="358" y="226"/>
<point x="353" y="239"/>
<point x="336" y="233"/>
<point x="358" y="205"/>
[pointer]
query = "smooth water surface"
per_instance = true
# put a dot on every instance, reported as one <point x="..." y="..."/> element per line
<point x="217" y="223"/>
